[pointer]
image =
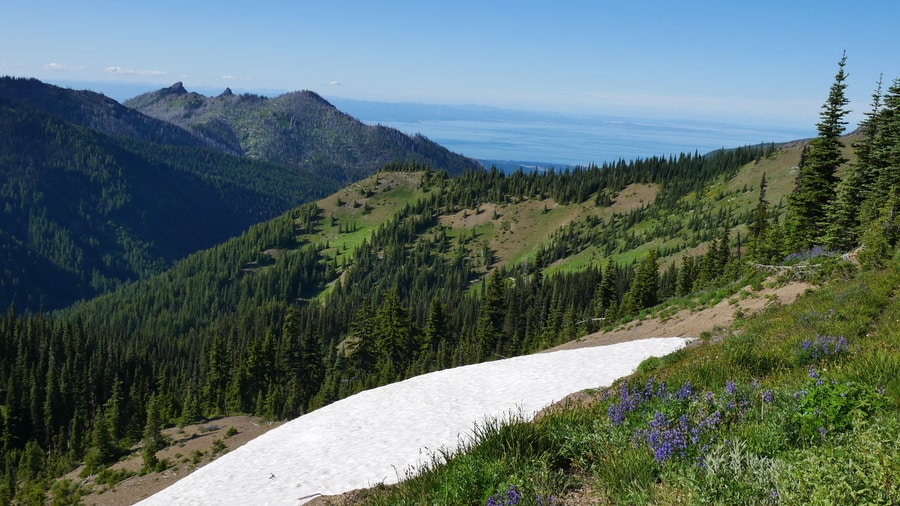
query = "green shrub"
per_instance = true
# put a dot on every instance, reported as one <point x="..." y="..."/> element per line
<point x="825" y="408"/>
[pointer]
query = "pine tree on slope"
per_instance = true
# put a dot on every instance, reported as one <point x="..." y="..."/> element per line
<point x="816" y="179"/>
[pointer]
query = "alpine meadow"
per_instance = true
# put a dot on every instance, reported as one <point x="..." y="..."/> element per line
<point x="176" y="259"/>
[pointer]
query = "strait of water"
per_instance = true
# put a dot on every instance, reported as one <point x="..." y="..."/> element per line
<point x="577" y="141"/>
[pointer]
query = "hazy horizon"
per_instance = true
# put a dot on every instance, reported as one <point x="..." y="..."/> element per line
<point x="526" y="137"/>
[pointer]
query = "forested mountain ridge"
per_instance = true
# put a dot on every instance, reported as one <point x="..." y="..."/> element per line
<point x="95" y="111"/>
<point x="84" y="212"/>
<point x="300" y="129"/>
<point x="96" y="194"/>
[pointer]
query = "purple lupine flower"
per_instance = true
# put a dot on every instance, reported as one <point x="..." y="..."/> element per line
<point x="685" y="391"/>
<point x="768" y="396"/>
<point x="729" y="387"/>
<point x="509" y="498"/>
<point x="512" y="496"/>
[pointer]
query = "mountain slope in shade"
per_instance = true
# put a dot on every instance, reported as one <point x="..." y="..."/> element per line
<point x="84" y="211"/>
<point x="95" y="111"/>
<point x="300" y="129"/>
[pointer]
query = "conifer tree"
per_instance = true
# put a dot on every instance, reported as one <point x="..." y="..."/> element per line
<point x="644" y="287"/>
<point x="814" y="186"/>
<point x="761" y="211"/>
<point x="436" y="329"/>
<point x="684" y="281"/>
<point x="491" y="315"/>
<point x="844" y="214"/>
<point x="394" y="336"/>
<point x="153" y="438"/>
<point x="885" y="154"/>
<point x="606" y="298"/>
<point x="103" y="450"/>
<point x="312" y="368"/>
<point x="216" y="376"/>
<point x="361" y="352"/>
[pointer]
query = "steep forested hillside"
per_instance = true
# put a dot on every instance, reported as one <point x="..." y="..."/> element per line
<point x="299" y="129"/>
<point x="356" y="290"/>
<point x="95" y="111"/>
<point x="84" y="212"/>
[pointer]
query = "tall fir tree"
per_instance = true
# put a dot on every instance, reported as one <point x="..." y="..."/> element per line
<point x="885" y="154"/>
<point x="606" y="296"/>
<point x="153" y="438"/>
<point x="844" y="213"/>
<point x="644" y="287"/>
<point x="814" y="186"/>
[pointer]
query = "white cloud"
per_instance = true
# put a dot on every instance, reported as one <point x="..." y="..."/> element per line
<point x="131" y="72"/>
<point x="335" y="83"/>
<point x="229" y="77"/>
<point x="56" y="67"/>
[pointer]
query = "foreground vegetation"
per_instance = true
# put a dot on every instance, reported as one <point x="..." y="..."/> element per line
<point x="798" y="404"/>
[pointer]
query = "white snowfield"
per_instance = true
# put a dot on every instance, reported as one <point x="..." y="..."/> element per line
<point x="376" y="436"/>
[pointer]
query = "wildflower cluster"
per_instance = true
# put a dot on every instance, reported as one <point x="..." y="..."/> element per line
<point x="512" y="497"/>
<point x="815" y="316"/>
<point x="667" y="438"/>
<point x="822" y="346"/>
<point x="631" y="400"/>
<point x="826" y="407"/>
<point x="809" y="254"/>
<point x="683" y="421"/>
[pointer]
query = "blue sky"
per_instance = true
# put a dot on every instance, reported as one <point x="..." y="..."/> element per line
<point x="763" y="62"/>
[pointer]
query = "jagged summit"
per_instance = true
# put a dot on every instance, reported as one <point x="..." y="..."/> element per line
<point x="177" y="88"/>
<point x="294" y="129"/>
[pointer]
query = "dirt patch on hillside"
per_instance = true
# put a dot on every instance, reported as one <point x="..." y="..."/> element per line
<point x="634" y="196"/>
<point x="687" y="323"/>
<point x="192" y="447"/>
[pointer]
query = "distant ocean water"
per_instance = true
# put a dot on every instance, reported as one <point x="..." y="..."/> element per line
<point x="560" y="139"/>
<point x="577" y="141"/>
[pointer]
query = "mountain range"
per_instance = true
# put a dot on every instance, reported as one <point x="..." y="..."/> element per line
<point x="97" y="193"/>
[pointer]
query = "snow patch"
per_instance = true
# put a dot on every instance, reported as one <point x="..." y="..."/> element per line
<point x="377" y="435"/>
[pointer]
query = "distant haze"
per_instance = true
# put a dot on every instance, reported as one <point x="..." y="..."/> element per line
<point x="543" y="139"/>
